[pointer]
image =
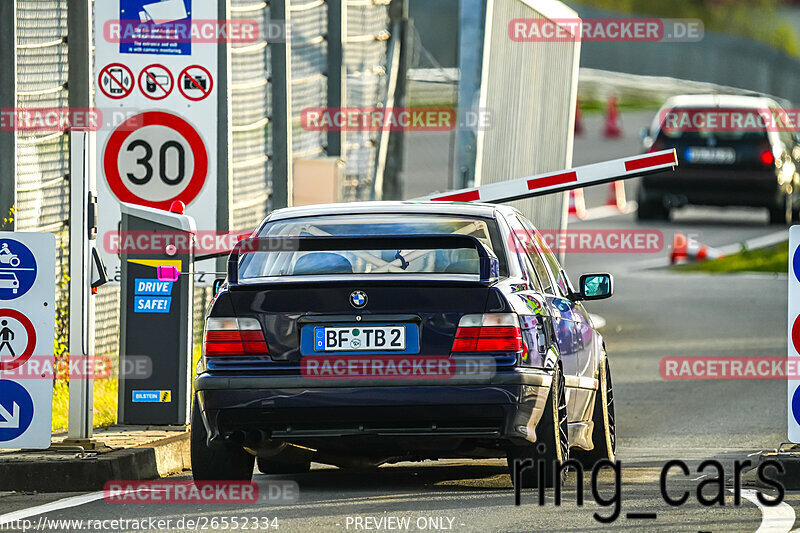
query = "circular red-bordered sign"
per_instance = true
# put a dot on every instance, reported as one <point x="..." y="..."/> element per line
<point x="155" y="118"/>
<point x="116" y="84"/>
<point x="186" y="77"/>
<point x="796" y="334"/>
<point x="22" y="358"/>
<point x="152" y="77"/>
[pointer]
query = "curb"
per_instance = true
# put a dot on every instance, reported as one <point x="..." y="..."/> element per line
<point x="47" y="472"/>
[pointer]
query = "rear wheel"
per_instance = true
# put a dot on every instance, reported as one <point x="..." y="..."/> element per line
<point x="781" y="213"/>
<point x="650" y="209"/>
<point x="551" y="448"/>
<point x="604" y="434"/>
<point x="229" y="463"/>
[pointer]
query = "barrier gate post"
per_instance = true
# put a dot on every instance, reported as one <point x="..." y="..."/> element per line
<point x="155" y="316"/>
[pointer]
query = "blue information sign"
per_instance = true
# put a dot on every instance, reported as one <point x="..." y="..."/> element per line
<point x="16" y="410"/>
<point x="155" y="27"/>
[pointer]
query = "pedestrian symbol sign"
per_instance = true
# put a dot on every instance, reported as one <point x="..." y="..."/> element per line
<point x="6" y="335"/>
<point x="17" y="339"/>
<point x="17" y="269"/>
<point x="27" y="327"/>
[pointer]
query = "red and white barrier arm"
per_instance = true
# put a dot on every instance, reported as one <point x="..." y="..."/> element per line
<point x="563" y="180"/>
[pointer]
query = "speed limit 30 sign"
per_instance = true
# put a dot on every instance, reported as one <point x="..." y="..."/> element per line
<point x="155" y="158"/>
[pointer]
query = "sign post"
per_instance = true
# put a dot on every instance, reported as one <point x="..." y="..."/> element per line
<point x="787" y="457"/>
<point x="794" y="333"/>
<point x="86" y="273"/>
<point x="157" y="87"/>
<point x="27" y="329"/>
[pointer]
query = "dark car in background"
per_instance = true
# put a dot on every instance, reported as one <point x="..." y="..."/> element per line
<point x="732" y="150"/>
<point x="471" y="285"/>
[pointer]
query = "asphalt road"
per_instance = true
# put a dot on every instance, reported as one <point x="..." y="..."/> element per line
<point x="654" y="313"/>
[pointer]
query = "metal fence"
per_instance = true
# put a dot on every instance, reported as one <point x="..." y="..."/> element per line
<point x="251" y="108"/>
<point x="758" y="66"/>
<point x="42" y="165"/>
<point x="365" y="61"/>
<point x="529" y="91"/>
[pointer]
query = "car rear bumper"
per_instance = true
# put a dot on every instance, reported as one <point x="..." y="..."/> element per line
<point x="713" y="186"/>
<point x="297" y="409"/>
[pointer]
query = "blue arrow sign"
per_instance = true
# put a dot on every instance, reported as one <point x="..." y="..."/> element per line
<point x="796" y="404"/>
<point x="16" y="410"/>
<point x="796" y="263"/>
<point x="17" y="269"/>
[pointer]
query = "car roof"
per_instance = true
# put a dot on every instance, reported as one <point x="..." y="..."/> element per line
<point x="358" y="208"/>
<point x="720" y="101"/>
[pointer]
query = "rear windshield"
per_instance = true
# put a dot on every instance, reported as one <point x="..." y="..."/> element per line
<point x="700" y="124"/>
<point x="458" y="261"/>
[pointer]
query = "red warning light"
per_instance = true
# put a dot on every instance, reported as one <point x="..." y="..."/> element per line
<point x="177" y="207"/>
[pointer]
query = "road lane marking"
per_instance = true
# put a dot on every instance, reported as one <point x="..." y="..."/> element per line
<point x="66" y="503"/>
<point x="778" y="519"/>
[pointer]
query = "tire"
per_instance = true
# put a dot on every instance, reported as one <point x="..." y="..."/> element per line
<point x="551" y="448"/>
<point x="781" y="214"/>
<point x="604" y="434"/>
<point x="14" y="262"/>
<point x="227" y="464"/>
<point x="649" y="209"/>
<point x="277" y="466"/>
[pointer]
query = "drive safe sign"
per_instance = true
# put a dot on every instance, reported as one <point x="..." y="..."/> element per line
<point x="158" y="143"/>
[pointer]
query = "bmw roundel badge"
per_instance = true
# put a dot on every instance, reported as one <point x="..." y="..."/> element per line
<point x="358" y="299"/>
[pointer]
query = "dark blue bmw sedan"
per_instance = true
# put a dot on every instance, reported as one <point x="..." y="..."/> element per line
<point x="371" y="333"/>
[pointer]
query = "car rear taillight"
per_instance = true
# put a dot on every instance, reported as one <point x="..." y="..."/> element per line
<point x="488" y="333"/>
<point x="234" y="336"/>
<point x="767" y="159"/>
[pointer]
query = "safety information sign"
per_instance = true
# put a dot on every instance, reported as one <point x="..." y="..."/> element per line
<point x="794" y="331"/>
<point x="27" y="328"/>
<point x="155" y="27"/>
<point x="156" y="80"/>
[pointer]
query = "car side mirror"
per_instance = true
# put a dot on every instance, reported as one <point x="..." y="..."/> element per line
<point x="217" y="285"/>
<point x="595" y="287"/>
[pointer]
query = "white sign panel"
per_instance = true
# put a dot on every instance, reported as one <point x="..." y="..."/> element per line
<point x="156" y="89"/>
<point x="27" y="330"/>
<point x="794" y="332"/>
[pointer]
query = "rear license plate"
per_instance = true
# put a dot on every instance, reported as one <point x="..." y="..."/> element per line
<point x="718" y="156"/>
<point x="360" y="338"/>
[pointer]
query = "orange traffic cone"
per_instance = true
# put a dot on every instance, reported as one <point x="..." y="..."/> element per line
<point x="578" y="119"/>
<point x="612" y="129"/>
<point x="577" y="204"/>
<point x="686" y="248"/>
<point x="616" y="196"/>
